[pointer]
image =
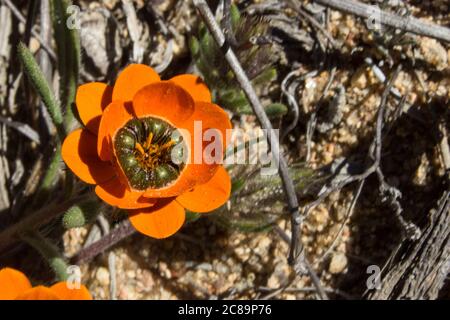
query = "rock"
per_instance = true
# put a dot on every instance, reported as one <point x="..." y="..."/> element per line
<point x="434" y="53"/>
<point x="420" y="177"/>
<point x="110" y="4"/>
<point x="34" y="45"/>
<point x="102" y="276"/>
<point x="165" y="271"/>
<point x="338" y="263"/>
<point x="359" y="79"/>
<point x="205" y="266"/>
<point x="221" y="268"/>
<point x="278" y="275"/>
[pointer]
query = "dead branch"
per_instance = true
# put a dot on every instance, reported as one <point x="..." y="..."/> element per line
<point x="419" y="269"/>
<point x="409" y="24"/>
<point x="22" y="19"/>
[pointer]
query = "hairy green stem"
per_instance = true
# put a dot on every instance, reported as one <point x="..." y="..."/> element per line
<point x="42" y="87"/>
<point x="35" y="220"/>
<point x="50" y="177"/>
<point x="68" y="51"/>
<point x="49" y="252"/>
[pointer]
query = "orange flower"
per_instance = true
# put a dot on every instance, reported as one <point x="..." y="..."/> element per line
<point x="14" y="285"/>
<point x="131" y="132"/>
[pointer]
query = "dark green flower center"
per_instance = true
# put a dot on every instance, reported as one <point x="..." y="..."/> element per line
<point x="150" y="152"/>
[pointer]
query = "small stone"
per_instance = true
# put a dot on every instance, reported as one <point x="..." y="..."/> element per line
<point x="34" y="45"/>
<point x="147" y="279"/>
<point x="221" y="268"/>
<point x="338" y="263"/>
<point x="110" y="4"/>
<point x="434" y="53"/>
<point x="352" y="119"/>
<point x="420" y="177"/>
<point x="164" y="269"/>
<point x="350" y="23"/>
<point x="204" y="266"/>
<point x="144" y="252"/>
<point x="359" y="79"/>
<point x="321" y="215"/>
<point x="335" y="15"/>
<point x="102" y="276"/>
<point x="273" y="282"/>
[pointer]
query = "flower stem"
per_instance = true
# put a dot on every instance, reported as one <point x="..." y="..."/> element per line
<point x="50" y="178"/>
<point x="49" y="252"/>
<point x="68" y="51"/>
<point x="35" y="220"/>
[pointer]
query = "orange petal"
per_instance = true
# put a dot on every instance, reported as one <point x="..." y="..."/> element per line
<point x="208" y="196"/>
<point x="160" y="221"/>
<point x="91" y="99"/>
<point x="194" y="85"/>
<point x="200" y="173"/>
<point x="131" y="80"/>
<point x="206" y="116"/>
<point x="192" y="175"/>
<point x="210" y="116"/>
<point x="165" y="100"/>
<point x="114" y="117"/>
<point x="12" y="283"/>
<point x="38" y="293"/>
<point x="79" y="152"/>
<point x="62" y="290"/>
<point x="116" y="194"/>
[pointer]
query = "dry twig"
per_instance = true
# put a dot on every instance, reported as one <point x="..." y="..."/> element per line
<point x="409" y="24"/>
<point x="22" y="19"/>
<point x="264" y="121"/>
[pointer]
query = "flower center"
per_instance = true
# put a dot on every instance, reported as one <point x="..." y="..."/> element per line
<point x="151" y="152"/>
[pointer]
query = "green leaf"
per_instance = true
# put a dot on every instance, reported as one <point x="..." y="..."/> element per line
<point x="50" y="177"/>
<point x="210" y="56"/>
<point x="194" y="47"/>
<point x="191" y="216"/>
<point x="255" y="223"/>
<point x="232" y="149"/>
<point x="259" y="205"/>
<point x="235" y="100"/>
<point x="274" y="110"/>
<point x="235" y="16"/>
<point x="40" y="84"/>
<point x="237" y="185"/>
<point x="68" y="51"/>
<point x="265" y="77"/>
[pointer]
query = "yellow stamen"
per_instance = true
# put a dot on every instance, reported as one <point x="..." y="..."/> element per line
<point x="167" y="145"/>
<point x="149" y="154"/>
<point x="148" y="143"/>
<point x="140" y="148"/>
